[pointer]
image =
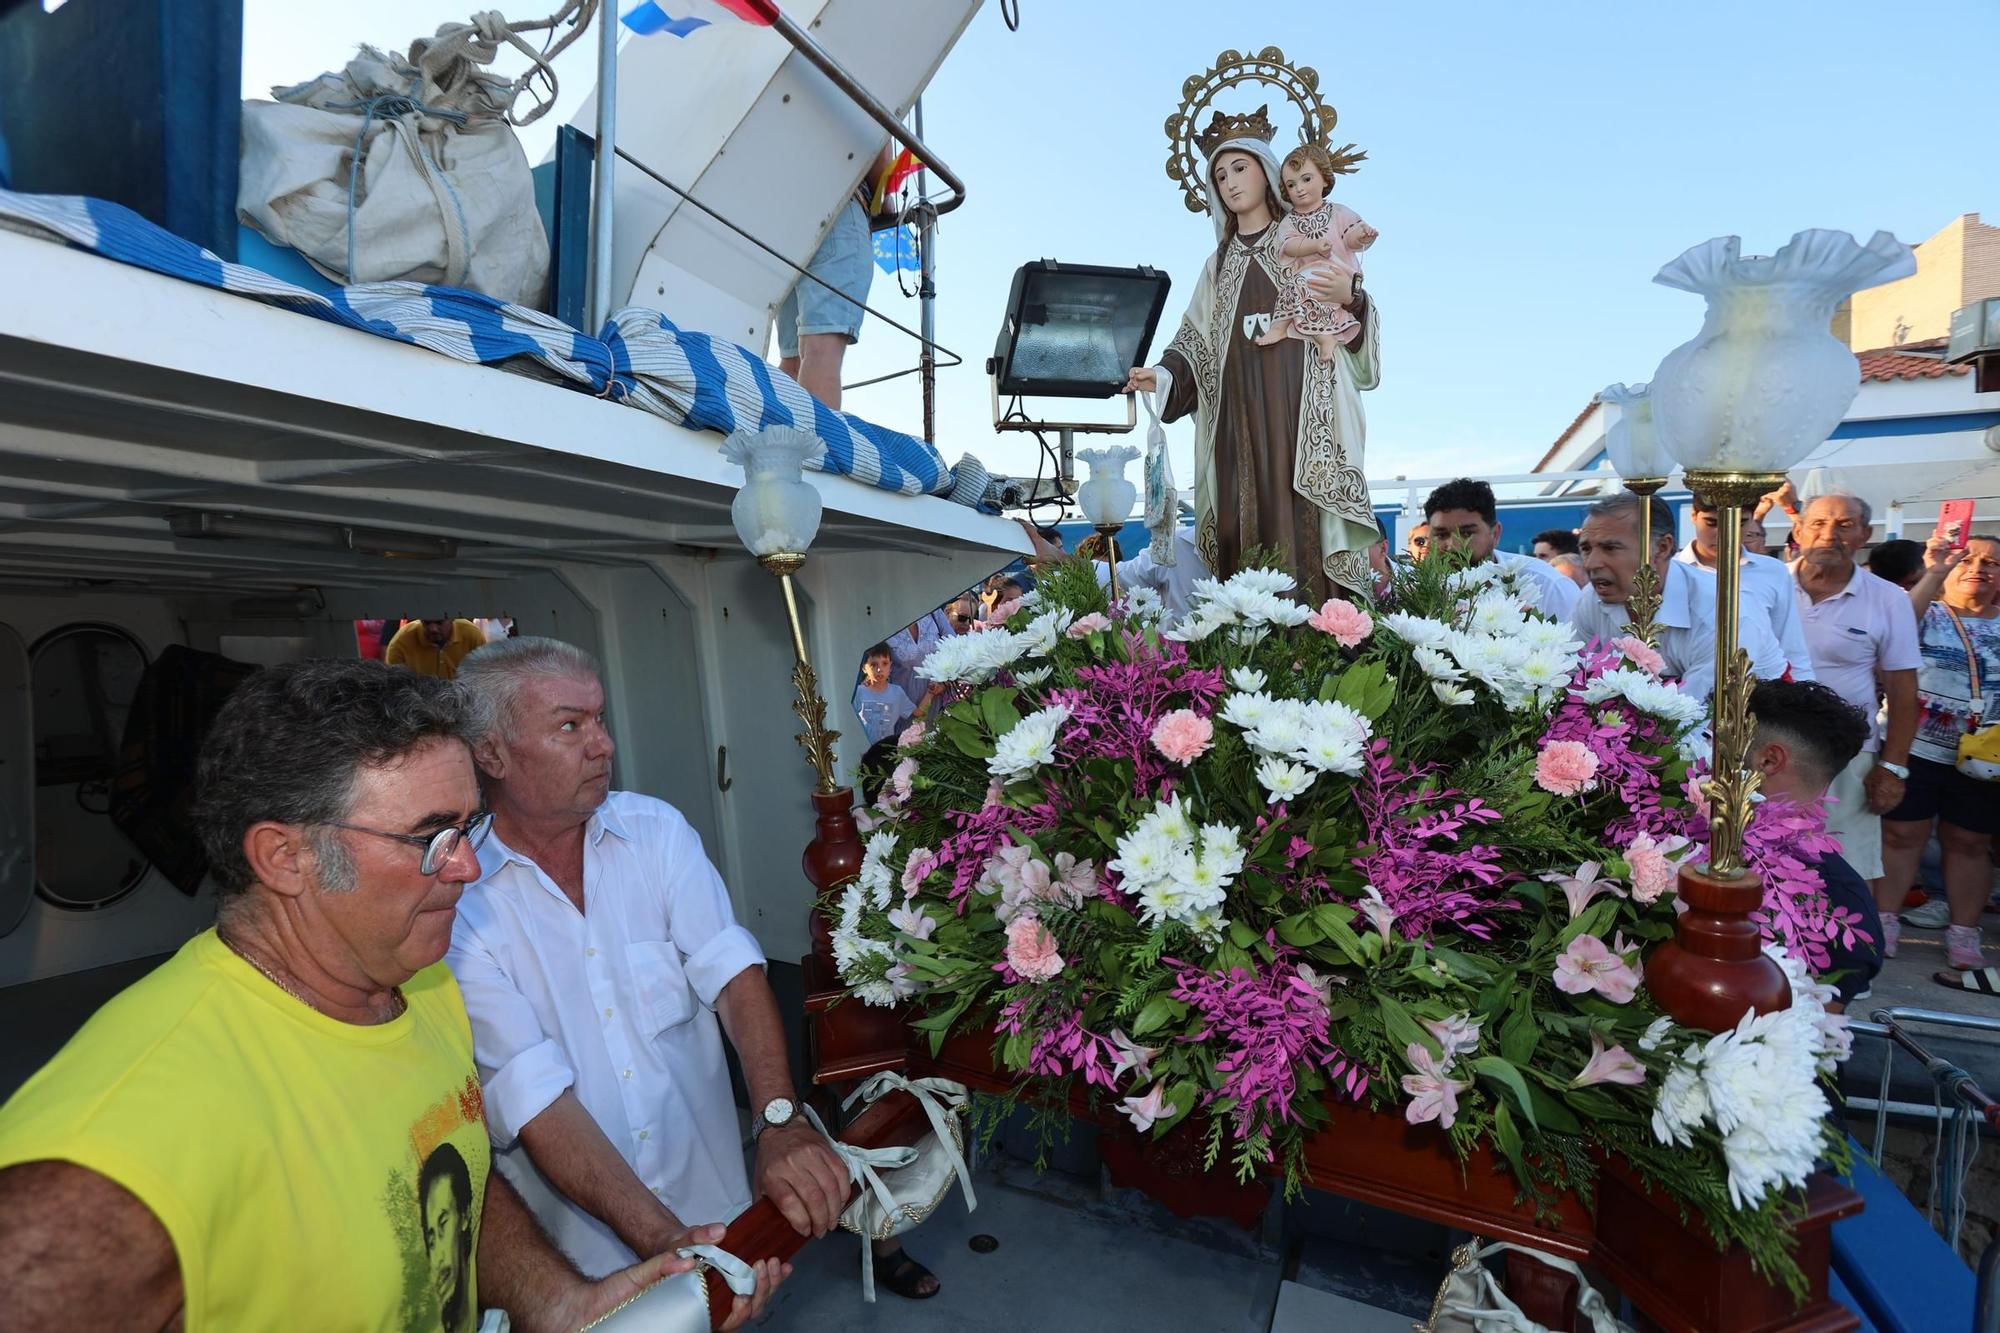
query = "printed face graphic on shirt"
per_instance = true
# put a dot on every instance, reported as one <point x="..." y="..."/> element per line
<point x="444" y="1195"/>
<point x="433" y="1206"/>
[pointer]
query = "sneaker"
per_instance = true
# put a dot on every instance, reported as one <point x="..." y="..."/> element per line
<point x="1961" y="948"/>
<point x="1892" y="933"/>
<point x="1931" y="914"/>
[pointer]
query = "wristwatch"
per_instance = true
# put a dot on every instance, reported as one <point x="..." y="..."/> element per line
<point x="777" y="1111"/>
<point x="1898" y="769"/>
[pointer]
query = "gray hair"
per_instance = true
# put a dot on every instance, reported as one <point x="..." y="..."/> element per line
<point x="498" y="672"/>
<point x="1867" y="514"/>
<point x="1623" y="504"/>
<point x="289" y="745"/>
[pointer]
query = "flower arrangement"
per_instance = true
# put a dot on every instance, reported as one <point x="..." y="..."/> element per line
<point x="1243" y="869"/>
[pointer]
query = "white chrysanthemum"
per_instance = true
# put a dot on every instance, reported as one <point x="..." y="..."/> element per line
<point x="1656" y="1032"/>
<point x="1421" y="631"/>
<point x="1456" y="696"/>
<point x="1041" y="635"/>
<point x="1496" y="614"/>
<point x="1028" y="744"/>
<point x="1038" y="676"/>
<point x="1682" y="1105"/>
<point x="1221" y="852"/>
<point x="973" y="658"/>
<point x="1198" y="625"/>
<point x="1142" y="603"/>
<point x="1170" y="820"/>
<point x="1271" y="582"/>
<point x="1556" y="635"/>
<point x="1436" y="665"/>
<point x="1247" y="678"/>
<point x="1543" y="670"/>
<point x="1144" y="856"/>
<point x="1247" y="711"/>
<point x="1283" y="779"/>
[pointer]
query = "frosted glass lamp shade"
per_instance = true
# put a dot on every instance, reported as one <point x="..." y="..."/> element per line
<point x="1106" y="497"/>
<point x="1629" y="437"/>
<point x="1764" y="383"/>
<point x="777" y="510"/>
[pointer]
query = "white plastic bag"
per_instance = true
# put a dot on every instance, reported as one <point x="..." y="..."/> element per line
<point x="399" y="168"/>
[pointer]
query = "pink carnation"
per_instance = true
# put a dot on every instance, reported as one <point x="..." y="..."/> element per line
<point x="1085" y="626"/>
<point x="1640" y="655"/>
<point x="911" y="735"/>
<point x="1183" y="735"/>
<point x="1031" y="950"/>
<point x="1653" y="872"/>
<point x="1346" y="622"/>
<point x="1566" y="768"/>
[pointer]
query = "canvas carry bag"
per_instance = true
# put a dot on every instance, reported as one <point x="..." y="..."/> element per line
<point x="402" y="167"/>
<point x="1470" y="1301"/>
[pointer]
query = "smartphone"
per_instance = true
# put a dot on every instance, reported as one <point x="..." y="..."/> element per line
<point x="1955" y="522"/>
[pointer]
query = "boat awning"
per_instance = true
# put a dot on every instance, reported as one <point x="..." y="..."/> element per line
<point x="127" y="397"/>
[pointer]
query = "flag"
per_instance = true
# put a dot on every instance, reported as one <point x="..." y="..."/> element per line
<point x="648" y="19"/>
<point x="896" y="248"/>
<point x="903" y="166"/>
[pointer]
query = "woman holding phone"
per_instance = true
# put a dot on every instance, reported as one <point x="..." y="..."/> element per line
<point x="1957" y="602"/>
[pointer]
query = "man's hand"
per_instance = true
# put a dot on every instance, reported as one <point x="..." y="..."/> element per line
<point x="1883" y="790"/>
<point x="1786" y="497"/>
<point x="587" y="1301"/>
<point x="770" y="1273"/>
<point x="803" y="1176"/>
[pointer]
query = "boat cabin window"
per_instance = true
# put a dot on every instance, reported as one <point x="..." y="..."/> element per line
<point x="84" y="680"/>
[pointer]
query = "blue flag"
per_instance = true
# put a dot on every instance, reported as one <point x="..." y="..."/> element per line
<point x="896" y="248"/>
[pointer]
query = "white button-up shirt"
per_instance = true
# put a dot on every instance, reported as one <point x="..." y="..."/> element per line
<point x="618" y="1003"/>
<point x="1558" y="593"/>
<point x="1766" y="584"/>
<point x="1866" y="628"/>
<point x="907" y="654"/>
<point x="1687" y="628"/>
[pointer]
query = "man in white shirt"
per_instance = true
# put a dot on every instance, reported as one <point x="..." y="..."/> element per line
<point x="1765" y="585"/>
<point x="911" y="645"/>
<point x="1462" y="516"/>
<point x="1862" y="632"/>
<point x="1172" y="582"/>
<point x="596" y="953"/>
<point x="1609" y="541"/>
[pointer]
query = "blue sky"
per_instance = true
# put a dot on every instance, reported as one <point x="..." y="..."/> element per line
<point x="1530" y="168"/>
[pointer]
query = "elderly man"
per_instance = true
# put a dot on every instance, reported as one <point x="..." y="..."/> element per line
<point x="596" y="953"/>
<point x="434" y="647"/>
<point x="251" y="1136"/>
<point x="1862" y="634"/>
<point x="1463" y="517"/>
<point x="1806" y="735"/>
<point x="1686" y="618"/>
<point x="1766" y="585"/>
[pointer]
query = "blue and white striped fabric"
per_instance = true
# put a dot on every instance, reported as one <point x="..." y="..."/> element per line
<point x="690" y="379"/>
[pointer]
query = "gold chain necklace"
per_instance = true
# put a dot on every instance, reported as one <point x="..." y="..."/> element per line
<point x="272" y="977"/>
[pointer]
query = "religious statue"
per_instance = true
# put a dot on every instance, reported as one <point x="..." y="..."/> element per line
<point x="1317" y="237"/>
<point x="1278" y="423"/>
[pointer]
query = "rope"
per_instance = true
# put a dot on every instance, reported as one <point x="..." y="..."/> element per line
<point x="393" y="107"/>
<point x="1964" y="1129"/>
<point x="478" y="42"/>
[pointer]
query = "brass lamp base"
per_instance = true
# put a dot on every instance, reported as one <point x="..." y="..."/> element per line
<point x="1108" y="534"/>
<point x="1644" y="603"/>
<point x="816" y="740"/>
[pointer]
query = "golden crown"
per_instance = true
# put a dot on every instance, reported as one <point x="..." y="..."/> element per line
<point x="1222" y="127"/>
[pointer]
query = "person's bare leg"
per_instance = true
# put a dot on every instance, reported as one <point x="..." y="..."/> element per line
<point x="1967" y="880"/>
<point x="820" y="357"/>
<point x="790" y="365"/>
<point x="1902" y="848"/>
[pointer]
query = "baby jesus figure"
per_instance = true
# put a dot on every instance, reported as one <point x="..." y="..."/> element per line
<point x="1317" y="236"/>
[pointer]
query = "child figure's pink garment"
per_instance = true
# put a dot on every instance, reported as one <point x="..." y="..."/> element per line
<point x="1311" y="316"/>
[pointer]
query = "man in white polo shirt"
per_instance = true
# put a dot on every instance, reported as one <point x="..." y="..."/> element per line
<point x="1609" y="541"/>
<point x="1462" y="516"/>
<point x="1862" y="634"/>
<point x="1766" y="585"/>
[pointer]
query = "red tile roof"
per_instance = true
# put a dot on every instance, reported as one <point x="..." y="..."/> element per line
<point x="1897" y="363"/>
<point x="1568" y="431"/>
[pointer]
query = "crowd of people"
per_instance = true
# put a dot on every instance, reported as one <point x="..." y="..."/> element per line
<point x="1908" y="642"/>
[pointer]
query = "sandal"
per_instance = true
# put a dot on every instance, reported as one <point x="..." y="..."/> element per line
<point x="1981" y="980"/>
<point x="905" y="1276"/>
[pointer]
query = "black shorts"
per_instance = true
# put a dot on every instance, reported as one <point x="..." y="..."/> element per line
<point x="1939" y="791"/>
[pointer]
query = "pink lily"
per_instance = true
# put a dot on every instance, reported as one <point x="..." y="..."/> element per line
<point x="1433" y="1096"/>
<point x="1144" y="1111"/>
<point x="1378" y="912"/>
<point x="1590" y="965"/>
<point x="1456" y="1036"/>
<point x="1613" y="1066"/>
<point x="1130" y="1055"/>
<point x="1581" y="887"/>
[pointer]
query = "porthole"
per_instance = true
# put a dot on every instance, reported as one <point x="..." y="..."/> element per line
<point x="84" y="678"/>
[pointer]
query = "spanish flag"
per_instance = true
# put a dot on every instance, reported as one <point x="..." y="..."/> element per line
<point x="903" y="166"/>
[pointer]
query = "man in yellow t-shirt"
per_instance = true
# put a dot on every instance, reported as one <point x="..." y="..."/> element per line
<point x="434" y="647"/>
<point x="282" y="1126"/>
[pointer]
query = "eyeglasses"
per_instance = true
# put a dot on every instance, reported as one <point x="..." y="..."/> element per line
<point x="438" y="847"/>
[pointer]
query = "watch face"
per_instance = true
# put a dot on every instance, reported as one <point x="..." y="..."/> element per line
<point x="778" y="1111"/>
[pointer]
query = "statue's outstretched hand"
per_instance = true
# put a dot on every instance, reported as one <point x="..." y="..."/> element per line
<point x="1142" y="379"/>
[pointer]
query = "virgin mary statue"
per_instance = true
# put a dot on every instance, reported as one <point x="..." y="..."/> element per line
<point x="1278" y="428"/>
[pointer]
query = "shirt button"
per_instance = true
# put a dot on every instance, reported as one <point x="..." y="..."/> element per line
<point x="590" y="952"/>
<point x="644" y="1134"/>
<point x="628" y="1073"/>
<point x="607" y="1011"/>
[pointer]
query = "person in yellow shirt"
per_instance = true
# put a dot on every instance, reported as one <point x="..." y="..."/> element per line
<point x="282" y="1126"/>
<point x="434" y="647"/>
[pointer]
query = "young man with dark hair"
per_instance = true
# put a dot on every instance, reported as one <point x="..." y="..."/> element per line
<point x="1463" y="517"/>
<point x="1552" y="542"/>
<point x="1807" y="734"/>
